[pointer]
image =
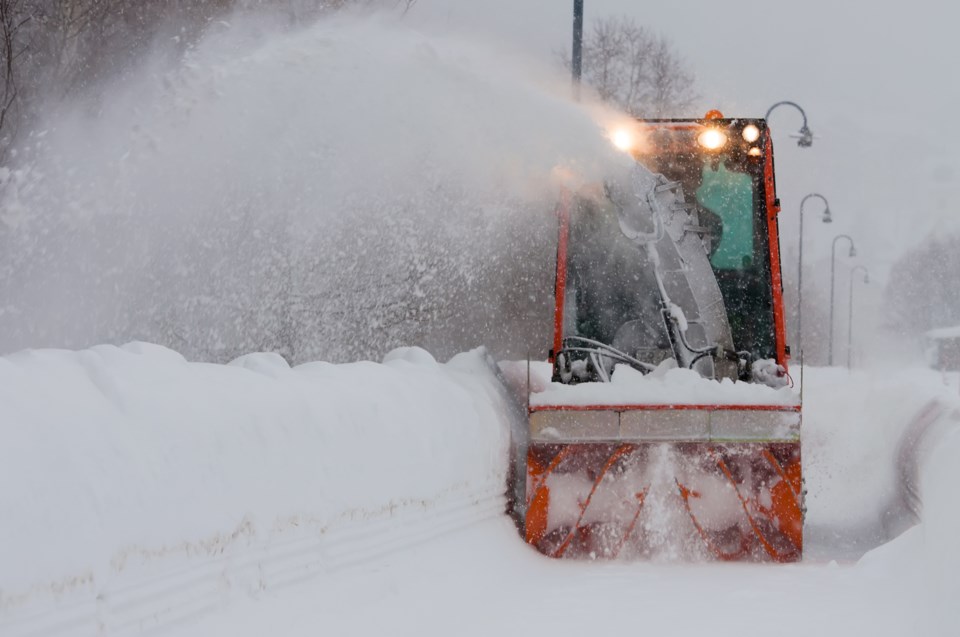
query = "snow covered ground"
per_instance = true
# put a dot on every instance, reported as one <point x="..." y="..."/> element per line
<point x="140" y="489"/>
<point x="482" y="581"/>
<point x="144" y="493"/>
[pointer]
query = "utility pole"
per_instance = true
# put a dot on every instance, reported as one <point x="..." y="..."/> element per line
<point x="577" y="59"/>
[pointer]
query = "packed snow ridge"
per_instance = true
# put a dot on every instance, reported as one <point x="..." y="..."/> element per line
<point x="114" y="459"/>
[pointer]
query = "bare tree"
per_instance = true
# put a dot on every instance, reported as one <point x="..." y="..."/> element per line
<point x="14" y="17"/>
<point x="924" y="291"/>
<point x="52" y="49"/>
<point x="45" y="45"/>
<point x="637" y="70"/>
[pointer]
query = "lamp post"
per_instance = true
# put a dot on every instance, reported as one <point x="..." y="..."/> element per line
<point x="805" y="139"/>
<point x="826" y="219"/>
<point x="833" y="281"/>
<point x="866" y="279"/>
<point x="576" y="59"/>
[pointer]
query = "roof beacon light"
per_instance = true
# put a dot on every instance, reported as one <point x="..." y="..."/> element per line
<point x="712" y="138"/>
<point x="751" y="133"/>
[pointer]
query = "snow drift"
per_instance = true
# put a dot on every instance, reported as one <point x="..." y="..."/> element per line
<point x="855" y="426"/>
<point x="117" y="463"/>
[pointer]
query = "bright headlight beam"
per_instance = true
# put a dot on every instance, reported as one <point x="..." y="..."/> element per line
<point x="622" y="139"/>
<point x="712" y="139"/>
<point x="751" y="133"/>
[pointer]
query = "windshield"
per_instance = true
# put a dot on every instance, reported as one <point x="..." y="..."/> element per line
<point x="610" y="282"/>
<point x="728" y="190"/>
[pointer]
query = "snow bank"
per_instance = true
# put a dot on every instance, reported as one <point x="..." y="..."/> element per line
<point x="854" y="426"/>
<point x="925" y="559"/>
<point x="113" y="458"/>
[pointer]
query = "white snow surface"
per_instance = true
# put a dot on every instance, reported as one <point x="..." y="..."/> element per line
<point x="145" y="493"/>
<point x="116" y="457"/>
<point x="665" y="386"/>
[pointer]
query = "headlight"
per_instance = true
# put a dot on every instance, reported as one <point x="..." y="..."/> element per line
<point x="751" y="133"/>
<point x="712" y="139"/>
<point x="622" y="139"/>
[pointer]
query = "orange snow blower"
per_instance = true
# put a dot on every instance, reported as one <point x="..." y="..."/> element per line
<point x="663" y="427"/>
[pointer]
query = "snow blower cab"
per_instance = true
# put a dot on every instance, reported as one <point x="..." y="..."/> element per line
<point x="666" y="428"/>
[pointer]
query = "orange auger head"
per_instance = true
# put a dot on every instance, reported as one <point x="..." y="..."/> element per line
<point x="725" y="502"/>
<point x="665" y="499"/>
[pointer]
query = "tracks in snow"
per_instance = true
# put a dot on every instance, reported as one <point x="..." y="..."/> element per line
<point x="148" y="590"/>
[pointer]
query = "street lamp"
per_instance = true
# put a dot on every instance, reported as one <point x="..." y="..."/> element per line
<point x="805" y="139"/>
<point x="866" y="279"/>
<point x="576" y="59"/>
<point x="833" y="280"/>
<point x="826" y="219"/>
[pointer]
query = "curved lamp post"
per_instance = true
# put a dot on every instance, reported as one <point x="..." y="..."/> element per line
<point x="866" y="279"/>
<point x="806" y="135"/>
<point x="826" y="219"/>
<point x="833" y="280"/>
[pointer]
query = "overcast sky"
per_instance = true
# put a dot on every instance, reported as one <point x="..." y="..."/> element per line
<point x="877" y="80"/>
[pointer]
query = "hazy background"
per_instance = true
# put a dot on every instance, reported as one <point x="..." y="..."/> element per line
<point x="257" y="179"/>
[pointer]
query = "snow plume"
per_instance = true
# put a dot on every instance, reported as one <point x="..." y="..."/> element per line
<point x="329" y="192"/>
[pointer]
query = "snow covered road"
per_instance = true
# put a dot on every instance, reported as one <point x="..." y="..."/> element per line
<point x="483" y="581"/>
